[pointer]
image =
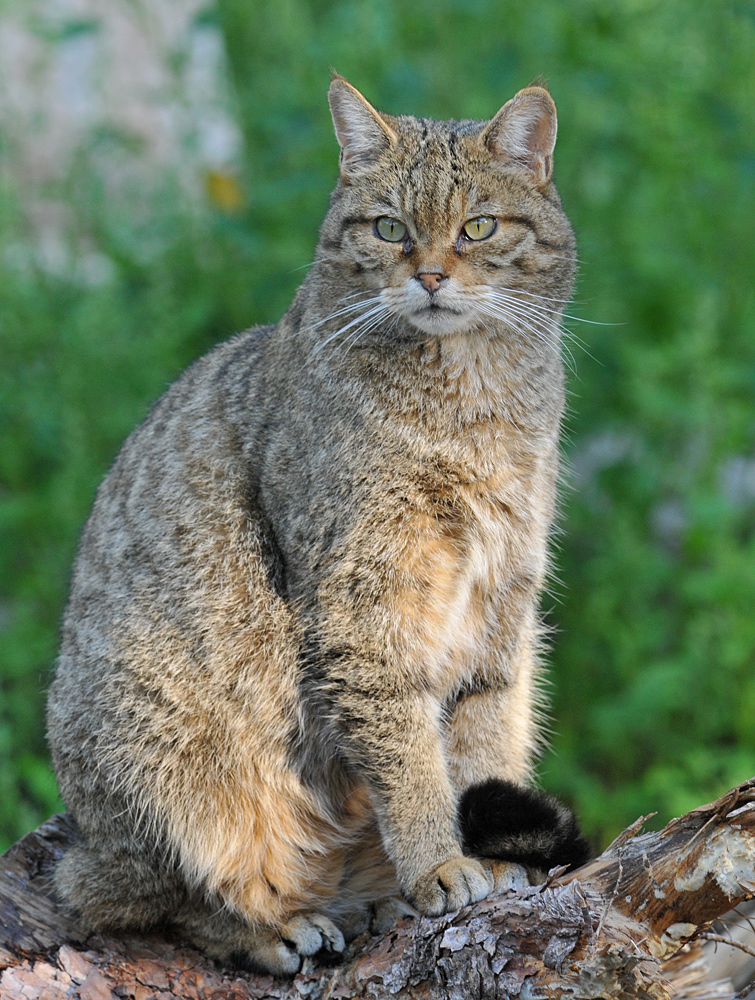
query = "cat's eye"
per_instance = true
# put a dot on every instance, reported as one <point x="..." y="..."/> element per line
<point x="392" y="230"/>
<point x="480" y="228"/>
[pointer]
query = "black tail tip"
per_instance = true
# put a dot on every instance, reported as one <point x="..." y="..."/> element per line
<point x="502" y="820"/>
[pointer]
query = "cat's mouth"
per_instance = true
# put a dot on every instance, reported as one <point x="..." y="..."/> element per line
<point x="441" y="313"/>
<point x="434" y="312"/>
<point x="437" y="319"/>
<point x="436" y="307"/>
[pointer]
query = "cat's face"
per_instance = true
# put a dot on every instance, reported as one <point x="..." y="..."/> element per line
<point x="448" y="226"/>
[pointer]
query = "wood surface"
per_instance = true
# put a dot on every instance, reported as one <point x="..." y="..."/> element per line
<point x="635" y="922"/>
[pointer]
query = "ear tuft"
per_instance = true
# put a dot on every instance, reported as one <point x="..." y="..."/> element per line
<point x="362" y="132"/>
<point x="524" y="132"/>
<point x="539" y="81"/>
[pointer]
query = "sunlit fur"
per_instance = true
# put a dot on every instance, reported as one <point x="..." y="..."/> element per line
<point x="303" y="617"/>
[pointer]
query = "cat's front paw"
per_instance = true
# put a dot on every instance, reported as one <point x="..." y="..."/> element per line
<point x="506" y="874"/>
<point x="450" y="886"/>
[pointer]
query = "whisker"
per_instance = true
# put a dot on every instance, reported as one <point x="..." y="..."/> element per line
<point x="578" y="319"/>
<point x="360" y="332"/>
<point x="519" y="319"/>
<point x="571" y="364"/>
<point x="357" y="320"/>
<point x="303" y="267"/>
<point x="526" y="312"/>
<point x="534" y="295"/>
<point x="592" y="322"/>
<point x="544" y="298"/>
<point x="578" y="342"/>
<point x="352" y="307"/>
<point x="538" y="319"/>
<point x="538" y="311"/>
<point x="516" y="319"/>
<point x="371" y="320"/>
<point x="533" y="307"/>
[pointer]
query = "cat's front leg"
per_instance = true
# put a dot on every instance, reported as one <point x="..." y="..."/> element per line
<point x="491" y="744"/>
<point x="392" y="733"/>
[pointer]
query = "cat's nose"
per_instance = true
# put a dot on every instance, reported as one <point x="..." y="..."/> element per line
<point x="431" y="280"/>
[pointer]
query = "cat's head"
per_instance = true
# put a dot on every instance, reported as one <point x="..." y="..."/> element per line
<point x="447" y="226"/>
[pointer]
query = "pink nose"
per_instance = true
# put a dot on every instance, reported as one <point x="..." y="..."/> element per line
<point x="431" y="280"/>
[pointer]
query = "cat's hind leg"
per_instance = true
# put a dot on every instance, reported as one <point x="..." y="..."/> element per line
<point x="119" y="889"/>
<point x="130" y="891"/>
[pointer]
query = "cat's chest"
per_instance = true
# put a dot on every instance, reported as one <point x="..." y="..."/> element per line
<point x="464" y="551"/>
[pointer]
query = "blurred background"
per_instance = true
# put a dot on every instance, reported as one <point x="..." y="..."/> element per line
<point x="164" y="167"/>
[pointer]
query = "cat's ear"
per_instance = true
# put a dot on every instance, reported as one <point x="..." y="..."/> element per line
<point x="362" y="132"/>
<point x="524" y="132"/>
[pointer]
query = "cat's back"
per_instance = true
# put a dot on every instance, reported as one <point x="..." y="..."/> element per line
<point x="189" y="444"/>
<point x="177" y="495"/>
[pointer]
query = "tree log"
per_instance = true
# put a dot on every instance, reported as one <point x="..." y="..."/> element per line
<point x="635" y="922"/>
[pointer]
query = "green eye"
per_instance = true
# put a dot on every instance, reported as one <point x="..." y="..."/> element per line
<point x="390" y="229"/>
<point x="480" y="228"/>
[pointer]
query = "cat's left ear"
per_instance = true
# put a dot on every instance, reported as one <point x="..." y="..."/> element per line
<point x="362" y="132"/>
<point x="524" y="132"/>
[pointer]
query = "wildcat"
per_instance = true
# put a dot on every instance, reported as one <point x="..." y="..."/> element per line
<point x="299" y="661"/>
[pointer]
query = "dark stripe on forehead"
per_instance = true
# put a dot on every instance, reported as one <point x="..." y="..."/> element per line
<point x="453" y="159"/>
<point x="419" y="159"/>
<point x="434" y="192"/>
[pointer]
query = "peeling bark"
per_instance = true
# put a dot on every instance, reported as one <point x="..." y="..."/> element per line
<point x="631" y="923"/>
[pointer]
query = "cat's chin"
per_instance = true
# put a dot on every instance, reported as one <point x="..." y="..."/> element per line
<point x="442" y="322"/>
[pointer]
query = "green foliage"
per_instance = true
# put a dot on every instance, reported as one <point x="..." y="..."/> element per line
<point x="654" y="686"/>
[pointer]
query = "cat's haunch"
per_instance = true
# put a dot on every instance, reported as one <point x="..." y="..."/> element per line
<point x="303" y="619"/>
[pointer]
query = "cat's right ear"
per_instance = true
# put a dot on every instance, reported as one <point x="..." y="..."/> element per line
<point x="362" y="132"/>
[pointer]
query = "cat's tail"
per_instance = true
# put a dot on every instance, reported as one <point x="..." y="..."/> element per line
<point x="509" y="822"/>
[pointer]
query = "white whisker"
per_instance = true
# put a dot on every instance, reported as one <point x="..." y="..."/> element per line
<point x="362" y="331"/>
<point x="374" y="311"/>
<point x="534" y="295"/>
<point x="578" y="319"/>
<point x="516" y="307"/>
<point x="518" y="318"/>
<point x="317" y="260"/>
<point x="352" y="307"/>
<point x="538" y="312"/>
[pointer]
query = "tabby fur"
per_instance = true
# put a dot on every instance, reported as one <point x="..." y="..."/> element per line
<point x="303" y="615"/>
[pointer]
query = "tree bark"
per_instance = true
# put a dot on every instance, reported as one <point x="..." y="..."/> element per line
<point x="631" y="923"/>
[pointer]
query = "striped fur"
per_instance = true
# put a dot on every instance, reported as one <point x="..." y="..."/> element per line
<point x="303" y="616"/>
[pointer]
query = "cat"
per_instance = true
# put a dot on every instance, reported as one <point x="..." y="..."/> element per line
<point x="303" y="619"/>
